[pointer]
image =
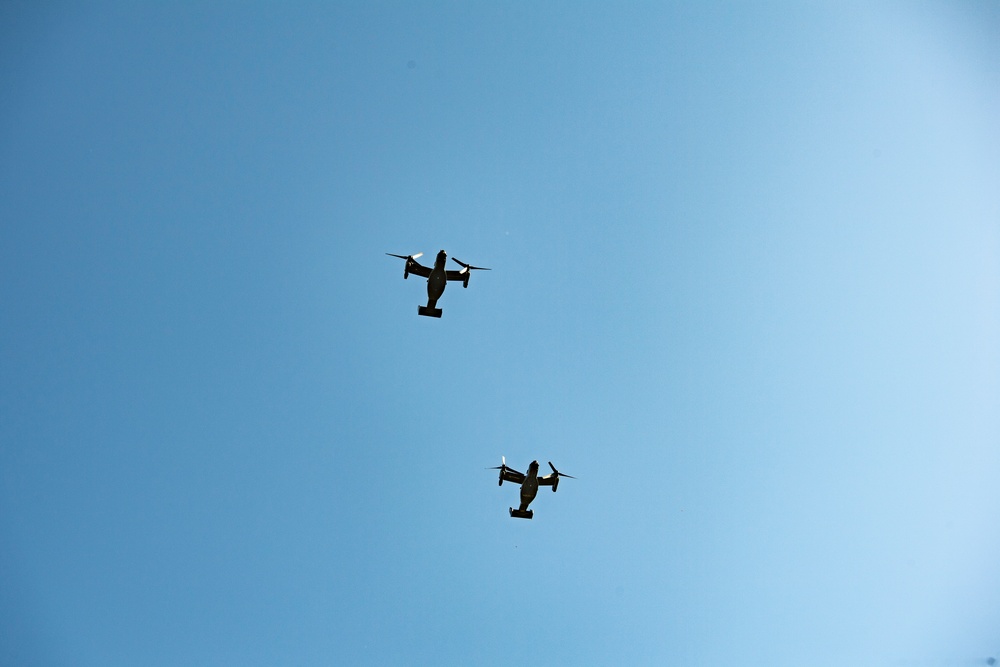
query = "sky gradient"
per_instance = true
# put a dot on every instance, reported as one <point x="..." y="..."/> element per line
<point x="745" y="287"/>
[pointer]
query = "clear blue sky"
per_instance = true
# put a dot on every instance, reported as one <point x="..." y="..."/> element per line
<point x="745" y="287"/>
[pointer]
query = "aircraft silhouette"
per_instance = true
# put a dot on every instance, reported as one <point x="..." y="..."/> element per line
<point x="529" y="484"/>
<point x="437" y="278"/>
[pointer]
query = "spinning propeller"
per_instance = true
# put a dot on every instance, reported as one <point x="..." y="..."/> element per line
<point x="501" y="468"/>
<point x="555" y="484"/>
<point x="557" y="473"/>
<point x="467" y="267"/>
<point x="408" y="258"/>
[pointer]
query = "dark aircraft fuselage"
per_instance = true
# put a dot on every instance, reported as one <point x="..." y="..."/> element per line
<point x="438" y="280"/>
<point x="529" y="487"/>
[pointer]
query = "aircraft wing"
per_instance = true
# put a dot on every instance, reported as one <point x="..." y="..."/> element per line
<point x="511" y="475"/>
<point x="418" y="269"/>
<point x="457" y="275"/>
<point x="547" y="480"/>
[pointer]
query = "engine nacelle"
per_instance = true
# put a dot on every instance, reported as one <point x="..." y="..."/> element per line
<point x="465" y="283"/>
<point x="555" y="484"/>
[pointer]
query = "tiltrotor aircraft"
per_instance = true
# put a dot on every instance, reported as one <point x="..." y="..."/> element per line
<point x="437" y="278"/>
<point x="529" y="484"/>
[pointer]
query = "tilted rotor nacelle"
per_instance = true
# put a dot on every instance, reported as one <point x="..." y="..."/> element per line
<point x="406" y="264"/>
<point x="557" y="475"/>
<point x="502" y="468"/>
<point x="467" y="270"/>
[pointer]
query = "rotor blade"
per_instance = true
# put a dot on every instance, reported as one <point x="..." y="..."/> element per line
<point x="470" y="266"/>
<point x="419" y="254"/>
<point x="559" y="474"/>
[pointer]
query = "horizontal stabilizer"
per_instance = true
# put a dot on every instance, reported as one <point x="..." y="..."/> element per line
<point x="429" y="312"/>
